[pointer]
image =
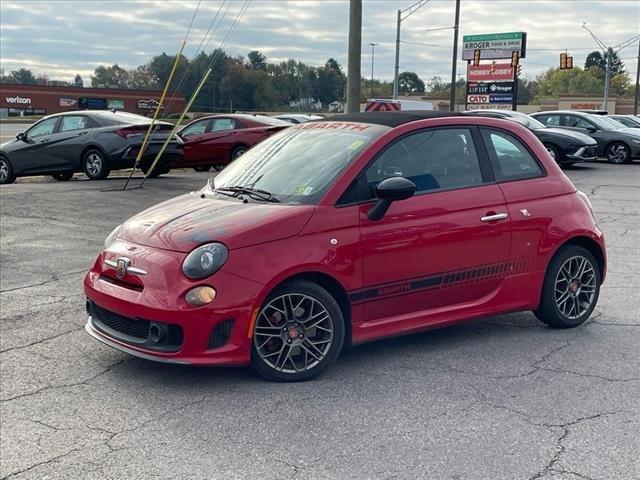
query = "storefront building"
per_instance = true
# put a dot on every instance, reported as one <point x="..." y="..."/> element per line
<point x="25" y="100"/>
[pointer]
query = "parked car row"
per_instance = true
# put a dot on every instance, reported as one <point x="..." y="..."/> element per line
<point x="98" y="141"/>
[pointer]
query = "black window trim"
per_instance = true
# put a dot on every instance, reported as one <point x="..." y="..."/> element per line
<point x="496" y="168"/>
<point x="486" y="168"/>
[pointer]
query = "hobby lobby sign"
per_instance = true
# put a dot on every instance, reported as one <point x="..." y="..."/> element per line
<point x="489" y="73"/>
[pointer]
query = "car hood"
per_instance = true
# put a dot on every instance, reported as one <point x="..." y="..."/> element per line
<point x="185" y="222"/>
<point x="569" y="134"/>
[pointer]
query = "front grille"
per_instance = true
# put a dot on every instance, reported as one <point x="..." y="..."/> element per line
<point x="221" y="334"/>
<point x="163" y="337"/>
<point x="138" y="329"/>
<point x="589" y="152"/>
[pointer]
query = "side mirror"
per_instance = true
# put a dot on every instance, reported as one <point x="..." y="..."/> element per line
<point x="21" y="136"/>
<point x="592" y="129"/>
<point x="388" y="191"/>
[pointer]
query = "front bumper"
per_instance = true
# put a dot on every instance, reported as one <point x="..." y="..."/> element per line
<point x="158" y="299"/>
<point x="584" y="154"/>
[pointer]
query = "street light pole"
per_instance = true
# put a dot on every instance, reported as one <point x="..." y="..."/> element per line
<point x="373" y="52"/>
<point x="403" y="15"/>
<point x="609" y="52"/>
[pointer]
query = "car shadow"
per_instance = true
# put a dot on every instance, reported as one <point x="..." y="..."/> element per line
<point x="353" y="361"/>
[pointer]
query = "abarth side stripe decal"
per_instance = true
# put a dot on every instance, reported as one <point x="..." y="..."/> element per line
<point x="452" y="278"/>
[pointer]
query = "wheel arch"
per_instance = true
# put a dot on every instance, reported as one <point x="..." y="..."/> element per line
<point x="92" y="146"/>
<point x="335" y="289"/>
<point x="590" y="245"/>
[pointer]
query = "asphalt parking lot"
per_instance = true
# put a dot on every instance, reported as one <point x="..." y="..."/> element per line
<point x="501" y="398"/>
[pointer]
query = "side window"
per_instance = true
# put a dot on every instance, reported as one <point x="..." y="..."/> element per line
<point x="73" y="123"/>
<point x="220" y="124"/>
<point x="511" y="160"/>
<point x="197" y="128"/>
<point x="549" y="120"/>
<point x="432" y="159"/>
<point x="582" y="123"/>
<point x="43" y="128"/>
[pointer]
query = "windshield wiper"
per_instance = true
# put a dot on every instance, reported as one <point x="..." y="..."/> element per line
<point x="255" y="193"/>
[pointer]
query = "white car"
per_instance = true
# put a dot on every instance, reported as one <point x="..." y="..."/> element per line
<point x="298" y="117"/>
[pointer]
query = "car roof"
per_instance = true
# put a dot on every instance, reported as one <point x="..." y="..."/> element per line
<point x="566" y="112"/>
<point x="392" y="119"/>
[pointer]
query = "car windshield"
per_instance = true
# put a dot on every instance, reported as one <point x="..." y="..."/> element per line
<point x="532" y="123"/>
<point x="298" y="164"/>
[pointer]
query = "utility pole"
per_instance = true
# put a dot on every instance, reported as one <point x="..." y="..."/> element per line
<point x="608" y="52"/>
<point x="373" y="53"/>
<point x="402" y="15"/>
<point x="355" y="51"/>
<point x="397" y="65"/>
<point x="452" y="101"/>
<point x="635" y="103"/>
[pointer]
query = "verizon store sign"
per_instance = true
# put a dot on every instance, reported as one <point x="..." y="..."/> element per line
<point x="18" y="100"/>
<point x="489" y="73"/>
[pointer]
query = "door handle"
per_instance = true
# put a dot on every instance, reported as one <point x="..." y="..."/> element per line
<point x="493" y="217"/>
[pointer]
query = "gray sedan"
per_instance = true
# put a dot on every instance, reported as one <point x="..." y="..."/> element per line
<point x="90" y="141"/>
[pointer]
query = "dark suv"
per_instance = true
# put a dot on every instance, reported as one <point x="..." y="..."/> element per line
<point x="615" y="142"/>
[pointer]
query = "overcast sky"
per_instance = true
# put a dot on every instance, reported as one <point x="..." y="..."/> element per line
<point x="61" y="38"/>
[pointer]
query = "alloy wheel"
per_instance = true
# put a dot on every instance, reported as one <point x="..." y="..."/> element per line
<point x="4" y="171"/>
<point x="293" y="333"/>
<point x="94" y="164"/>
<point x="617" y="153"/>
<point x="238" y="152"/>
<point x="575" y="287"/>
<point x="552" y="152"/>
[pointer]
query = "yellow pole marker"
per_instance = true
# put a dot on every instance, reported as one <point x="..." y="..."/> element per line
<point x="147" y="137"/>
<point x="175" y="127"/>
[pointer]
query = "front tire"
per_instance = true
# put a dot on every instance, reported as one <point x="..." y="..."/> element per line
<point x="94" y="165"/>
<point x="618" y="153"/>
<point x="571" y="288"/>
<point x="62" y="176"/>
<point x="298" y="334"/>
<point x="6" y="172"/>
<point x="553" y="151"/>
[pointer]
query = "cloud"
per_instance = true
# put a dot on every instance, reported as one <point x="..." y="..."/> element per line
<point x="61" y="37"/>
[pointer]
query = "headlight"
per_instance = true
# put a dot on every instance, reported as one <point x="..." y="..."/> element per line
<point x="205" y="260"/>
<point x="111" y="237"/>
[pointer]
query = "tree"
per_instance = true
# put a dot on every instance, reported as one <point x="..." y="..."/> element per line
<point x="161" y="66"/>
<point x="595" y="60"/>
<point x="24" y="76"/>
<point x="110" y="77"/>
<point x="410" y="82"/>
<point x="142" y="78"/>
<point x="257" y="61"/>
<point x="576" y="81"/>
<point x="331" y="81"/>
<point x="77" y="81"/>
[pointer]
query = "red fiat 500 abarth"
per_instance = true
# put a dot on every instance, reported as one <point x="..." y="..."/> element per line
<point x="334" y="233"/>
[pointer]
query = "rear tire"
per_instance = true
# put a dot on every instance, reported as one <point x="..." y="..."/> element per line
<point x="618" y="153"/>
<point x="62" y="176"/>
<point x="6" y="172"/>
<point x="94" y="165"/>
<point x="571" y="288"/>
<point x="298" y="334"/>
<point x="238" y="152"/>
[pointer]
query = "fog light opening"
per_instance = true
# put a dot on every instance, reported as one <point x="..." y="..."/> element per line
<point x="199" y="296"/>
<point x="156" y="334"/>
